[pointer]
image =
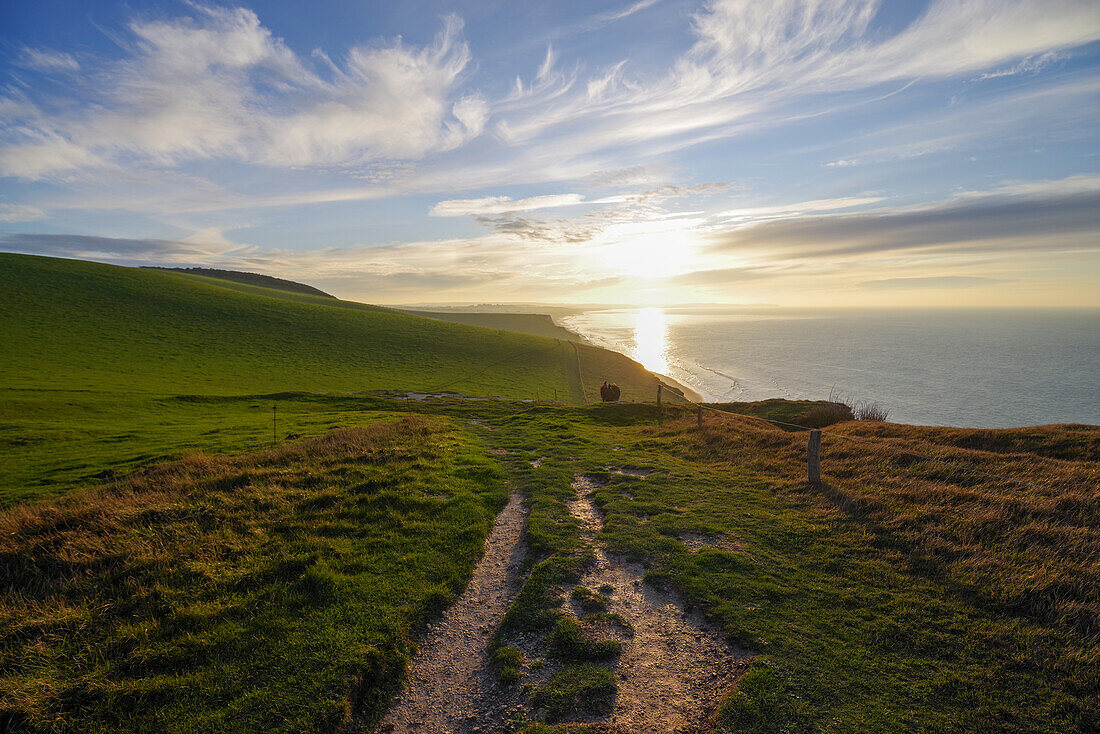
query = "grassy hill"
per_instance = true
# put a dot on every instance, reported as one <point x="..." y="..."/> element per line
<point x="281" y="589"/>
<point x="107" y="368"/>
<point x="526" y="323"/>
<point x="265" y="281"/>
<point x="72" y="325"/>
<point x="186" y="564"/>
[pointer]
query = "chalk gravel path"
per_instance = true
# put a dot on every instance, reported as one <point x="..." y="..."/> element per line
<point x="451" y="687"/>
<point x="673" y="671"/>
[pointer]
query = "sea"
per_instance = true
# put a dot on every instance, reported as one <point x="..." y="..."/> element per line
<point x="965" y="368"/>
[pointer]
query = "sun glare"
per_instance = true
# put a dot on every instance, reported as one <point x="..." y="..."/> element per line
<point x="649" y="256"/>
<point x="651" y="340"/>
<point x="640" y="250"/>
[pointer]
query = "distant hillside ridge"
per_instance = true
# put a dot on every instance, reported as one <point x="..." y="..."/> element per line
<point x="539" y="324"/>
<point x="238" y="276"/>
<point x="133" y="331"/>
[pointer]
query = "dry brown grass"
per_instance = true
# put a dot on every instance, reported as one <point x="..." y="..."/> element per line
<point x="829" y="414"/>
<point x="1025" y="542"/>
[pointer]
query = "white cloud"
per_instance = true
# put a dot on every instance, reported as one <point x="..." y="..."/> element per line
<point x="502" y="205"/>
<point x="1085" y="183"/>
<point x="49" y="61"/>
<point x="390" y="102"/>
<point x="1030" y="65"/>
<point x="219" y="84"/>
<point x="213" y="238"/>
<point x="752" y="59"/>
<point x="40" y="155"/>
<point x="547" y="64"/>
<point x="613" y="15"/>
<point x="20" y="213"/>
<point x="959" y="36"/>
<point x="782" y="211"/>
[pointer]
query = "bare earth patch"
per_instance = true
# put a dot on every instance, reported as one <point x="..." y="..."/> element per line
<point x="451" y="686"/>
<point x="631" y="471"/>
<point x="695" y="541"/>
<point x="674" y="669"/>
<point x="482" y="424"/>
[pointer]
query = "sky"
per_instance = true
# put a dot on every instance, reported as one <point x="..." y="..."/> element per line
<point x="816" y="153"/>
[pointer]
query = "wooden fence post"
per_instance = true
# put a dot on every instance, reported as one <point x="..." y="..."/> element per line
<point x="813" y="457"/>
<point x="274" y="424"/>
<point x="659" y="386"/>
<point x="699" y="415"/>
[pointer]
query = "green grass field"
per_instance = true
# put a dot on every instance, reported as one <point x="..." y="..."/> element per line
<point x="164" y="568"/>
<point x="897" y="597"/>
<point x="76" y="326"/>
<point x="240" y="594"/>
<point x="108" y="368"/>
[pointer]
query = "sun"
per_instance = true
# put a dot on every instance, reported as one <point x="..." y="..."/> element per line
<point x="651" y="253"/>
<point x="649" y="256"/>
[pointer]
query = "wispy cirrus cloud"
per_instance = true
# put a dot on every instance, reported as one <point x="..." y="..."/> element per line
<point x="218" y="84"/>
<point x="502" y="205"/>
<point x="928" y="282"/>
<point x="1030" y="65"/>
<point x="20" y="213"/>
<point x="49" y="61"/>
<point x="786" y="211"/>
<point x="750" y="60"/>
<point x="120" y="250"/>
<point x="819" y="103"/>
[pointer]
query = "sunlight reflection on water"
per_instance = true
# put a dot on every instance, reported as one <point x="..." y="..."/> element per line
<point x="651" y="339"/>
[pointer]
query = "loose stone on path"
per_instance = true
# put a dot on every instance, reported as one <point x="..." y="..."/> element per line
<point x="451" y="686"/>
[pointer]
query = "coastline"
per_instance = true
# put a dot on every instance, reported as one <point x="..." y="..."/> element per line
<point x="543" y="324"/>
<point x="669" y="381"/>
<point x="984" y="373"/>
<point x="690" y="394"/>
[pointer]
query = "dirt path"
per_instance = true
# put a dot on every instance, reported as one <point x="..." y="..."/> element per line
<point x="674" y="669"/>
<point x="451" y="687"/>
<point x="672" y="673"/>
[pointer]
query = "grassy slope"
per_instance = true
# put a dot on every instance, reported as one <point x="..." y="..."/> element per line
<point x="898" y="597"/>
<point x="96" y="358"/>
<point x="246" y="593"/>
<point x="265" y="281"/>
<point x="73" y="325"/>
<point x="526" y="323"/>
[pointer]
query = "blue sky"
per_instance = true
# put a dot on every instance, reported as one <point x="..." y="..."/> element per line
<point x="828" y="152"/>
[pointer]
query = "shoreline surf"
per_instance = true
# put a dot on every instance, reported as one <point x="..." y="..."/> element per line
<point x="953" y="368"/>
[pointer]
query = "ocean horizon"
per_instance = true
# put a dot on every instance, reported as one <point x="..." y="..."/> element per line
<point x="979" y="368"/>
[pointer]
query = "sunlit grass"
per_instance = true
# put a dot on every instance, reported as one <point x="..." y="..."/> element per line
<point x="271" y="591"/>
<point x="897" y="597"/>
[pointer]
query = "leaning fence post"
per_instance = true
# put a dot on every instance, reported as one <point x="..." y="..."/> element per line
<point x="659" y="386"/>
<point x="813" y="457"/>
<point x="699" y="415"/>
